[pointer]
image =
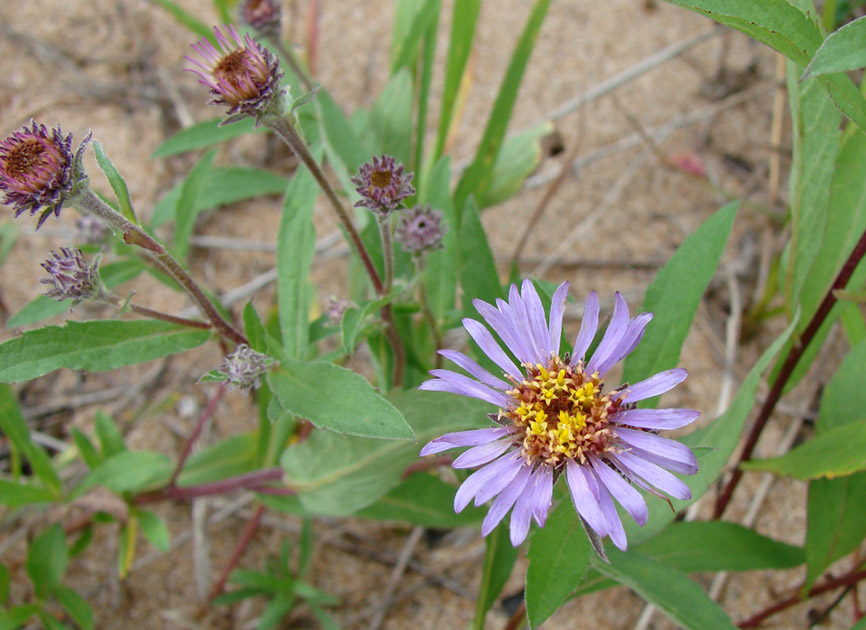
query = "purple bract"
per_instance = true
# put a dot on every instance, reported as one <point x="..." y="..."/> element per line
<point x="420" y="229"/>
<point x="382" y="184"/>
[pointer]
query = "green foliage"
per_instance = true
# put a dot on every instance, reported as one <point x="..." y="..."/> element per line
<point x="47" y="559"/>
<point x="391" y="118"/>
<point x="235" y="455"/>
<point x="196" y="26"/>
<point x="499" y="559"/>
<point x="188" y="204"/>
<point x="130" y="471"/>
<point x="94" y="346"/>
<point x="15" y="428"/>
<point x="841" y="51"/>
<point x="204" y="134"/>
<point x="478" y="275"/>
<point x="118" y="185"/>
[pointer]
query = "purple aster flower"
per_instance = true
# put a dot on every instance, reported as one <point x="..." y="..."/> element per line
<point x="72" y="277"/>
<point x="420" y="229"/>
<point x="557" y="419"/>
<point x="239" y="72"/>
<point x="264" y="16"/>
<point x="244" y="367"/>
<point x="39" y="170"/>
<point x="382" y="184"/>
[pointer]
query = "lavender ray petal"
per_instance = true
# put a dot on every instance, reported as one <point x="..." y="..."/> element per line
<point x="501" y="324"/>
<point x="471" y="389"/>
<point x="489" y="346"/>
<point x="557" y="311"/>
<point x="537" y="323"/>
<point x="666" y="463"/>
<point x="654" y="385"/>
<point x="504" y="467"/>
<point x="519" y="342"/>
<point x="542" y="494"/>
<point x="663" y="447"/>
<point x="461" y="360"/>
<point x="630" y="339"/>
<point x="520" y="321"/>
<point x="656" y="475"/>
<point x="622" y="491"/>
<point x="497" y="484"/>
<point x="614" y="524"/>
<point x="585" y="501"/>
<point x="588" y="328"/>
<point x="499" y="508"/>
<point x="658" y="419"/>
<point x="456" y="439"/>
<point x="520" y="518"/>
<point x="479" y="455"/>
<point x="612" y="336"/>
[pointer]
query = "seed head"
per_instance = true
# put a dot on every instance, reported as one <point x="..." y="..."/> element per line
<point x="263" y="16"/>
<point x="382" y="184"/>
<point x="420" y="229"/>
<point x="39" y="170"/>
<point x="239" y="72"/>
<point x="244" y="367"/>
<point x="71" y="276"/>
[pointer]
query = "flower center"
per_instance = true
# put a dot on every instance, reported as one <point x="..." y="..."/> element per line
<point x="233" y="68"/>
<point x="23" y="157"/>
<point x="562" y="412"/>
<point x="380" y="179"/>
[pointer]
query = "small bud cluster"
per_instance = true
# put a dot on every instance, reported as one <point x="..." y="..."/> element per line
<point x="39" y="170"/>
<point x="72" y="277"/>
<point x="335" y="308"/>
<point x="244" y="368"/>
<point x="263" y="16"/>
<point x="382" y="184"/>
<point x="420" y="230"/>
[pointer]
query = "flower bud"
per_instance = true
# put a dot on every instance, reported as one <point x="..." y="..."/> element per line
<point x="244" y="367"/>
<point x="420" y="229"/>
<point x="263" y="16"/>
<point x="382" y="184"/>
<point x="72" y="277"/>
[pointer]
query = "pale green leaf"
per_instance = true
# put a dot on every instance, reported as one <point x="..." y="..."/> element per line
<point x="842" y="51"/>
<point x="499" y="559"/>
<point x="47" y="559"/>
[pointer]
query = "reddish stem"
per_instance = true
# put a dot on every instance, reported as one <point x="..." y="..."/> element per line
<point x="248" y="481"/>
<point x="794" y="356"/>
<point x="830" y="585"/>
<point x="237" y="552"/>
<point x="203" y="419"/>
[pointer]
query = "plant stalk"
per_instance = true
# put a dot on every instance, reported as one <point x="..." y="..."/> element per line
<point x="247" y="481"/>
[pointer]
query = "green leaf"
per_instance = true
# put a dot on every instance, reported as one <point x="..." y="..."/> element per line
<point x="478" y="177"/>
<point x="668" y="590"/>
<point x="43" y="307"/>
<point x="295" y="243"/>
<point x="130" y="471"/>
<point x="47" y="559"/>
<point x="205" y="134"/>
<point x="499" y="558"/>
<point x="719" y="546"/>
<point x="94" y="346"/>
<point x="342" y="144"/>
<point x="412" y="19"/>
<point x="478" y="275"/>
<point x="391" y="118"/>
<point x="118" y="185"/>
<point x="842" y="51"/>
<point x="675" y="294"/>
<point x="254" y="329"/>
<point x="463" y="21"/>
<point x="355" y="318"/>
<point x="519" y="156"/>
<point x="8" y="236"/>
<point x="307" y="390"/>
<point x="440" y="266"/>
<point x="15" y="427"/>
<point x="199" y="28"/>
<point x="110" y="439"/>
<point x="713" y="444"/>
<point x="836" y="523"/>
<point x="14" y="494"/>
<point x="51" y="623"/>
<point x="559" y="555"/>
<point x="837" y="452"/>
<point x="76" y="606"/>
<point x="816" y="135"/>
<point x="4" y="584"/>
<point x="154" y="529"/>
<point x="423" y="500"/>
<point x="360" y="470"/>
<point x="17" y="616"/>
<point x="230" y="457"/>
<point x="188" y="205"/>
<point x="861" y="625"/>
<point x="224" y="186"/>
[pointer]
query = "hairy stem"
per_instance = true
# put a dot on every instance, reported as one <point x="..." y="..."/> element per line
<point x="247" y="481"/>
<point x="117" y="301"/>
<point x="384" y="222"/>
<point x="794" y="356"/>
<point x="203" y="418"/>
<point x="134" y="235"/>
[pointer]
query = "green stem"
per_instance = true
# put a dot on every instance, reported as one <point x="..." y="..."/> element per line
<point x="292" y="61"/>
<point x="427" y="311"/>
<point x="134" y="235"/>
<point x="384" y="222"/>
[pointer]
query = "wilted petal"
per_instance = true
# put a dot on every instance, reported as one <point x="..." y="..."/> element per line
<point x="658" y="419"/>
<point x="622" y="490"/>
<point x="588" y="328"/>
<point x="654" y="385"/>
<point x="499" y="508"/>
<point x="585" y="500"/>
<point x="461" y="360"/>
<point x="456" y="439"/>
<point x="479" y="455"/>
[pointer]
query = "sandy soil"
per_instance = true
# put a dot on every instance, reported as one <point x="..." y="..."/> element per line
<point x="114" y="67"/>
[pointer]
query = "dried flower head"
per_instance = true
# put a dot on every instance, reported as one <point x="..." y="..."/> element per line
<point x="382" y="184"/>
<point x="334" y="309"/>
<point x="91" y="230"/>
<point x="557" y="419"/>
<point x="239" y="72"/>
<point x="72" y="277"/>
<point x="39" y="170"/>
<point x="264" y="16"/>
<point x="420" y="229"/>
<point x="244" y="367"/>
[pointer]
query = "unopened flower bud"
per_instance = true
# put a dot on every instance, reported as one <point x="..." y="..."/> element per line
<point x="239" y="72"/>
<point x="420" y="229"/>
<point x="72" y="277"/>
<point x="263" y="16"/>
<point x="244" y="368"/>
<point x="39" y="170"/>
<point x="382" y="184"/>
<point x="335" y="308"/>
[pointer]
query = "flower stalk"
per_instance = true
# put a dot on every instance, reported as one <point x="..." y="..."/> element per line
<point x="247" y="481"/>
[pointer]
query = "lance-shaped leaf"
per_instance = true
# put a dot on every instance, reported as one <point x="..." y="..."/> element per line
<point x="842" y="51"/>
<point x="94" y="346"/>
<point x="499" y="558"/>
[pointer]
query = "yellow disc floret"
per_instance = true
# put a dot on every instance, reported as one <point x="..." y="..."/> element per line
<point x="562" y="413"/>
